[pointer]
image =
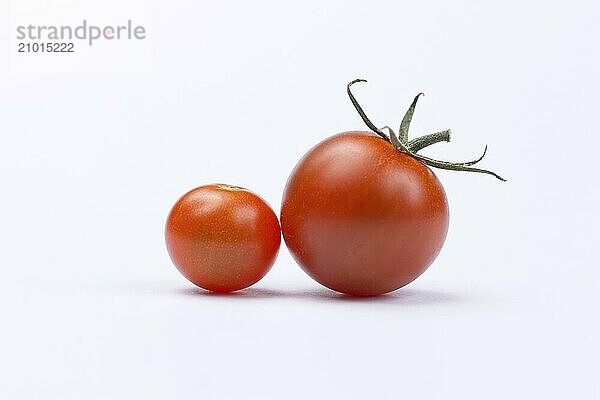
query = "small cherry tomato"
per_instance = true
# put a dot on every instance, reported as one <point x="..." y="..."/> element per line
<point x="222" y="238"/>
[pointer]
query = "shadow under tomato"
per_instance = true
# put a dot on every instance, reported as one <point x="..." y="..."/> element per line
<point x="254" y="293"/>
<point x="404" y="296"/>
<point x="401" y="296"/>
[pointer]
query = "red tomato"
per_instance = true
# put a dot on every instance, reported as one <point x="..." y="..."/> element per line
<point x="361" y="217"/>
<point x="222" y="238"/>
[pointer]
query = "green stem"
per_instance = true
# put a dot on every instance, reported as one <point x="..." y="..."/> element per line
<point x="405" y="124"/>
<point x="411" y="148"/>
<point x="479" y="159"/>
<point x="421" y="142"/>
<point x="362" y="114"/>
<point x="393" y="137"/>
<point x="455" y="166"/>
<point x="364" y="117"/>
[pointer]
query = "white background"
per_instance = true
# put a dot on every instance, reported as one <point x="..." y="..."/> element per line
<point x="95" y="148"/>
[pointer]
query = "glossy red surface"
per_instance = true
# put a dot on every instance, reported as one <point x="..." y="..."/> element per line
<point x="222" y="238"/>
<point x="362" y="218"/>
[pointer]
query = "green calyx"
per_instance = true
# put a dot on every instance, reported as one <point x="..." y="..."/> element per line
<point x="411" y="147"/>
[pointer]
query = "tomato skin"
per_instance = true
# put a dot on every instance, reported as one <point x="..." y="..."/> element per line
<point x="222" y="238"/>
<point x="361" y="217"/>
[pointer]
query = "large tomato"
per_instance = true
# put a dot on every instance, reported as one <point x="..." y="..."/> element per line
<point x="362" y="218"/>
<point x="362" y="213"/>
<point x="222" y="237"/>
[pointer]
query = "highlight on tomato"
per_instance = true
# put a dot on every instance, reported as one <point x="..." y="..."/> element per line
<point x="222" y="238"/>
<point x="362" y="213"/>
